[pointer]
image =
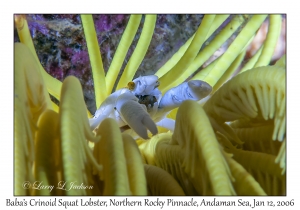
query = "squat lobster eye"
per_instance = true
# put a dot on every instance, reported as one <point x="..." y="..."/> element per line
<point x="131" y="85"/>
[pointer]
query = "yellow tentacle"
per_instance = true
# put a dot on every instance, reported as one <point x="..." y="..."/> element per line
<point x="95" y="59"/>
<point x="135" y="166"/>
<point x="109" y="152"/>
<point x="271" y="41"/>
<point x="174" y="76"/>
<point x="234" y="49"/>
<point x="121" y="51"/>
<point x="74" y="133"/>
<point x="139" y="52"/>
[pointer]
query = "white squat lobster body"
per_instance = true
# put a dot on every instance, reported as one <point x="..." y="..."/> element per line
<point x="141" y="104"/>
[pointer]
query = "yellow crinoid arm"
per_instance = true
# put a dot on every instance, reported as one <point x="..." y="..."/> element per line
<point x="271" y="41"/>
<point x="30" y="101"/>
<point x="95" y="59"/>
<point x="234" y="49"/>
<point x="244" y="183"/>
<point x="53" y="85"/>
<point x="230" y="71"/>
<point x="219" y="19"/>
<point x="264" y="169"/>
<point x="109" y="152"/>
<point x="281" y="157"/>
<point x="135" y="166"/>
<point x="161" y="183"/>
<point x="259" y="138"/>
<point x="159" y="152"/>
<point x="139" y="52"/>
<point x="23" y="148"/>
<point x="171" y="78"/>
<point x="251" y="62"/>
<point x="255" y="94"/>
<point x="174" y="59"/>
<point x="204" y="72"/>
<point x="211" y="48"/>
<point x="56" y="107"/>
<point x="121" y="51"/>
<point x="29" y="80"/>
<point x="48" y="158"/>
<point x="281" y="62"/>
<point x="74" y="133"/>
<point x="197" y="138"/>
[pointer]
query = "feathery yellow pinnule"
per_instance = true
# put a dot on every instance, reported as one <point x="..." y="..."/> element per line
<point x="198" y="140"/>
<point x="244" y="183"/>
<point x="255" y="94"/>
<point x="109" y="152"/>
<point x="23" y="147"/>
<point x="161" y="183"/>
<point x="30" y="100"/>
<point x="158" y="152"/>
<point x="135" y="166"/>
<point x="261" y="166"/>
<point x="48" y="158"/>
<point x="281" y="157"/>
<point x="258" y="138"/>
<point x="148" y="148"/>
<point x="170" y="158"/>
<point x="74" y="133"/>
<point x="26" y="71"/>
<point x="264" y="169"/>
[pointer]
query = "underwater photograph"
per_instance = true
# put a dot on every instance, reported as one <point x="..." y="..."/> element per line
<point x="149" y="104"/>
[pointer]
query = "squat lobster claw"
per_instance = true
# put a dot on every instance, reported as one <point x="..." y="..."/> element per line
<point x="135" y="115"/>
<point x="141" y="104"/>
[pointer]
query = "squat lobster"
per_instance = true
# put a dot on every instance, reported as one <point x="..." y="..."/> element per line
<point x="141" y="105"/>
